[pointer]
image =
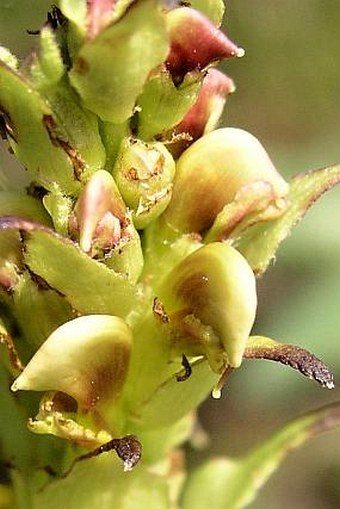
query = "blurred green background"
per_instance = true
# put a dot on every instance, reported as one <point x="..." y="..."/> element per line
<point x="288" y="96"/>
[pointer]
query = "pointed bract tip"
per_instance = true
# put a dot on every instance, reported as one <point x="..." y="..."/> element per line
<point x="240" y="52"/>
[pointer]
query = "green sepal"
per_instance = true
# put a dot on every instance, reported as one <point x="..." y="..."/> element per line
<point x="31" y="132"/>
<point x="226" y="484"/>
<point x="213" y="9"/>
<point x="141" y="36"/>
<point x="163" y="247"/>
<point x="72" y="34"/>
<point x="150" y="358"/>
<point x="88" y="285"/>
<point x="75" y="12"/>
<point x="48" y="308"/>
<point x="261" y="241"/>
<point x="161" y="95"/>
<point x="173" y="400"/>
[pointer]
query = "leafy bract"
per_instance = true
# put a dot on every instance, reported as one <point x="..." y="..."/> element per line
<point x="109" y="81"/>
<point x="174" y="399"/>
<point x="100" y="482"/>
<point x="30" y="126"/>
<point x="233" y="484"/>
<point x="89" y="286"/>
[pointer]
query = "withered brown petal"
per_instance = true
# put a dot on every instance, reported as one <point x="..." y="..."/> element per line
<point x="298" y="358"/>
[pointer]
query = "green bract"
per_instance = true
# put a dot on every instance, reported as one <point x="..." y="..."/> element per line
<point x="142" y="39"/>
<point x="128" y="263"/>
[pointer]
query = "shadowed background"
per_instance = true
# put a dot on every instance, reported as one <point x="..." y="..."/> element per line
<point x="288" y="96"/>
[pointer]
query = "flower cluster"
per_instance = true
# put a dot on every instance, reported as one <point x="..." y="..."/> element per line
<point x="128" y="266"/>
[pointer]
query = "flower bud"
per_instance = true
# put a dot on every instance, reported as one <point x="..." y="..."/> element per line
<point x="211" y="172"/>
<point x="195" y="42"/>
<point x="98" y="212"/>
<point x="204" y="115"/>
<point x="212" y="294"/>
<point x="144" y="174"/>
<point x="103" y="225"/>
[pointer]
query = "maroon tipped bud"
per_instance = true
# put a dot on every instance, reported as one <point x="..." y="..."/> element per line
<point x="99" y="213"/>
<point x="205" y="113"/>
<point x="195" y="42"/>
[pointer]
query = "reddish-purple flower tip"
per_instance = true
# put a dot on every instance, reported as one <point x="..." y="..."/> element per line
<point x="99" y="14"/>
<point x="205" y="113"/>
<point x="195" y="42"/>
